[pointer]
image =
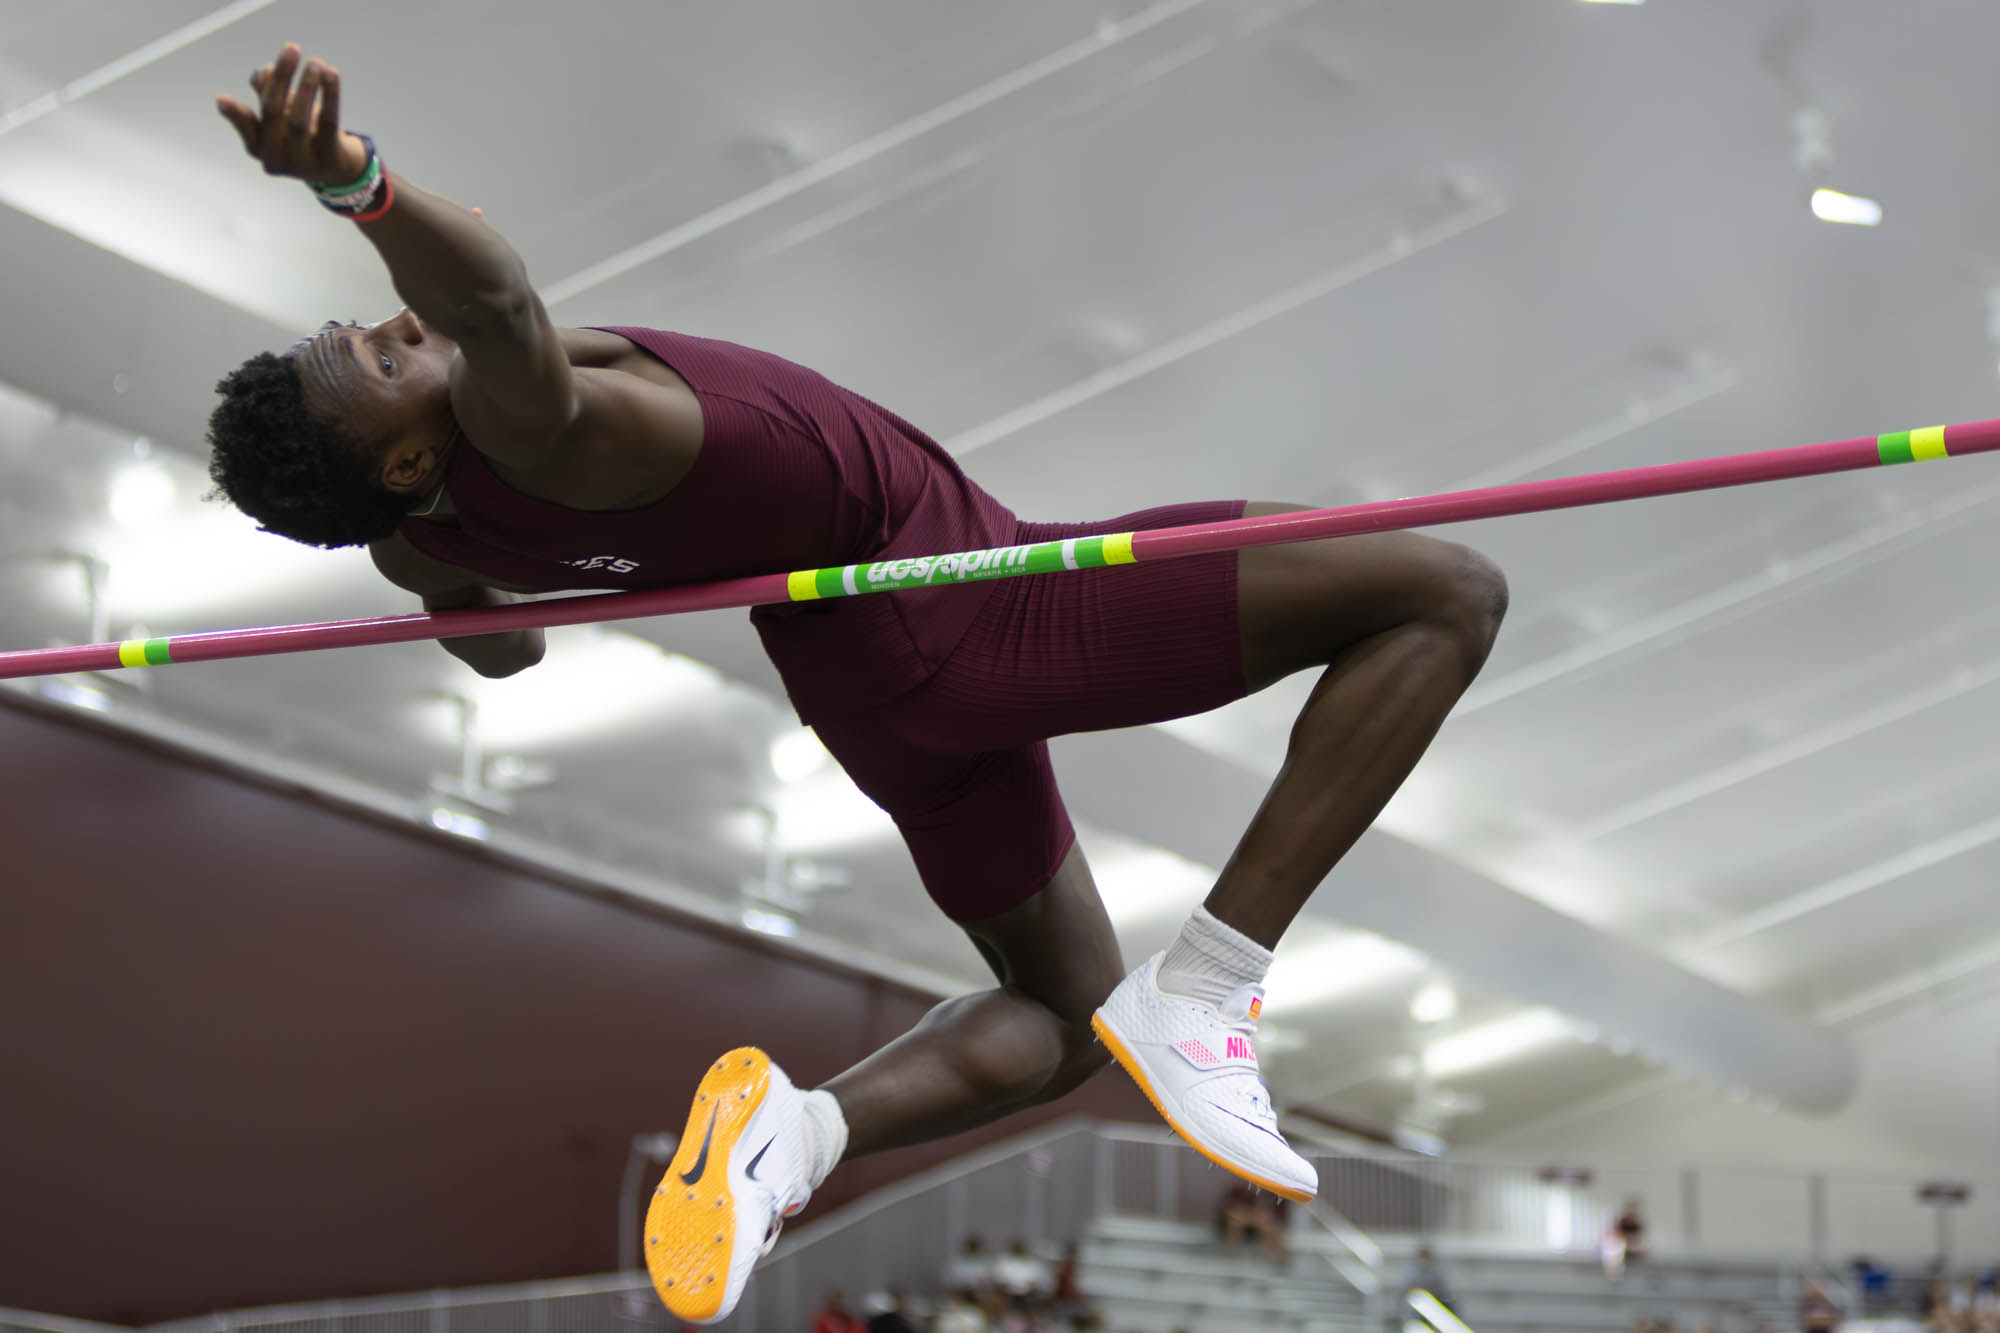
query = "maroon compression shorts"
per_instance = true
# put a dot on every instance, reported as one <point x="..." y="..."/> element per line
<point x="961" y="762"/>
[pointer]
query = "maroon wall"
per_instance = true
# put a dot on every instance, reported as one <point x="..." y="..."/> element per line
<point x="256" y="1049"/>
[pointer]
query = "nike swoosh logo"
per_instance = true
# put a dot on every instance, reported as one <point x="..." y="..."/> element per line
<point x="751" y="1170"/>
<point x="1262" y="1129"/>
<point x="701" y="1163"/>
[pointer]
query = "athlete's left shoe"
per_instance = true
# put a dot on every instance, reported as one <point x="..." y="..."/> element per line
<point x="1197" y="1065"/>
<point x="740" y="1171"/>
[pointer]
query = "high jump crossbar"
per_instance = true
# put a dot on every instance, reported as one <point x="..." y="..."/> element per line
<point x="1050" y="557"/>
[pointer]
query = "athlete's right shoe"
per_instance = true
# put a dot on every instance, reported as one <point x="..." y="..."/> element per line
<point x="740" y="1171"/>
<point x="1197" y="1065"/>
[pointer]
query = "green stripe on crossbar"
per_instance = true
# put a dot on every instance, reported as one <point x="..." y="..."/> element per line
<point x="1894" y="447"/>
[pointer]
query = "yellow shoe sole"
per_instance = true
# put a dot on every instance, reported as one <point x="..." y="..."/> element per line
<point x="691" y="1222"/>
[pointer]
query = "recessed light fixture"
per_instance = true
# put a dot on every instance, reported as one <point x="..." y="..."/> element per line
<point x="1434" y="1003"/>
<point x="447" y="820"/>
<point x="766" y="922"/>
<point x="76" y="694"/>
<point x="139" y="491"/>
<point x="798" y="754"/>
<point x="1852" y="209"/>
<point x="1496" y="1042"/>
<point x="1335" y="965"/>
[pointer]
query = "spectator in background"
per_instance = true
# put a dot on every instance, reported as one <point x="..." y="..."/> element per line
<point x="971" y="1269"/>
<point x="1068" y="1300"/>
<point x="1986" y="1303"/>
<point x="834" y="1318"/>
<point x="1625" y="1241"/>
<point x="961" y="1314"/>
<point x="1247" y="1210"/>
<point x="1817" y="1312"/>
<point x="1022" y="1275"/>
<point x="1425" y="1275"/>
<point x="895" y="1317"/>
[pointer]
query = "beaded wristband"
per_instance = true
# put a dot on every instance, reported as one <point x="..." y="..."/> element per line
<point x="358" y="198"/>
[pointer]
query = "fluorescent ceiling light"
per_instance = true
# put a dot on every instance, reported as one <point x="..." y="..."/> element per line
<point x="182" y="210"/>
<point x="1336" y="964"/>
<point x="1853" y="209"/>
<point x="1434" y="1003"/>
<point x="593" y="680"/>
<point x="798" y="754"/>
<point x="75" y="693"/>
<point x="827" y="812"/>
<point x="1142" y="883"/>
<point x="141" y="490"/>
<point x="1496" y="1042"/>
<point x="170" y="558"/>
<point x="451" y="821"/>
<point x="766" y="922"/>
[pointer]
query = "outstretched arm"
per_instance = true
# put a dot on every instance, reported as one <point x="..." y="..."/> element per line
<point x="458" y="274"/>
<point x="445" y="588"/>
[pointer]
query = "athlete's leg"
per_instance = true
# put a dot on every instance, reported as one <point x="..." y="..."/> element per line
<point x="756" y="1147"/>
<point x="1402" y="623"/>
<point x="978" y="1057"/>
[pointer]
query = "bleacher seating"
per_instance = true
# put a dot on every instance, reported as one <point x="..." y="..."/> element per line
<point x="1499" y="1290"/>
<point x="1152" y="1276"/>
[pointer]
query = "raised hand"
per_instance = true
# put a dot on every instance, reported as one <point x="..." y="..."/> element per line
<point x="295" y="131"/>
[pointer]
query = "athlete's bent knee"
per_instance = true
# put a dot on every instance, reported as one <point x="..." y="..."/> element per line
<point x="1083" y="1058"/>
<point x="1473" y="601"/>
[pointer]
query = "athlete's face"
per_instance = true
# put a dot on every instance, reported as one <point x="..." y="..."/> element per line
<point x="387" y="385"/>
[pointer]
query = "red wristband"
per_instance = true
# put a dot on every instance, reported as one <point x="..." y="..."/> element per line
<point x="388" y="201"/>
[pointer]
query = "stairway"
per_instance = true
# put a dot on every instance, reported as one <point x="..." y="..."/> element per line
<point x="1149" y="1276"/>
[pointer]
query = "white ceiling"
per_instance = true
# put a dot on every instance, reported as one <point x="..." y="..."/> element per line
<point x="1114" y="256"/>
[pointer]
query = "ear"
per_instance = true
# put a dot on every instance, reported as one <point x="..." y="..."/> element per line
<point x="410" y="466"/>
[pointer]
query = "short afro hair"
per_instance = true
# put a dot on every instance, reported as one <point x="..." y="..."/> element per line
<point x="296" y="475"/>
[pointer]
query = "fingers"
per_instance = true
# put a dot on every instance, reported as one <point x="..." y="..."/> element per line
<point x="277" y="83"/>
<point x="326" y="139"/>
<point x="242" y="117"/>
<point x="299" y="107"/>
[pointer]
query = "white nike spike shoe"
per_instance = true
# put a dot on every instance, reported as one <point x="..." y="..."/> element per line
<point x="740" y="1171"/>
<point x="1198" y="1067"/>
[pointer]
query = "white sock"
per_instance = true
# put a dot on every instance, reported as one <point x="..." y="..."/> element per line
<point x="826" y="1136"/>
<point x="1211" y="960"/>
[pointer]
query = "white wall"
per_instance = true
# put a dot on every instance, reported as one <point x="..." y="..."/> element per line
<point x="1928" y="1105"/>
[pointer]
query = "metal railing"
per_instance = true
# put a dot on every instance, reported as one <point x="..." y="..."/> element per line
<point x="1795" y="1217"/>
<point x="1046" y="1187"/>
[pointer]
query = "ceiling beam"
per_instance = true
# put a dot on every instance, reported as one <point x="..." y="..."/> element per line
<point x="130" y="63"/>
<point x="1909" y="861"/>
<point x="1394" y="249"/>
<point x="1107" y="34"/>
<point x="96" y="333"/>
<point x="1885" y="998"/>
<point x="1780" y="578"/>
<point x="1791" y="750"/>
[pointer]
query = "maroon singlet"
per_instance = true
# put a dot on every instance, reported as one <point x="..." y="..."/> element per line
<point x="794" y="472"/>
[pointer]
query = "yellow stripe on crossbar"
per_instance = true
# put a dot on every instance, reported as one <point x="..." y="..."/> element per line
<point x="802" y="584"/>
<point x="132" y="653"/>
<point x="1927" y="443"/>
<point x="1118" y="548"/>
